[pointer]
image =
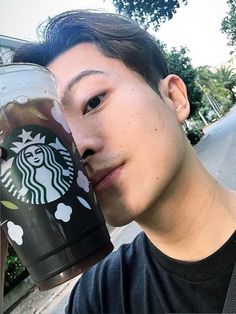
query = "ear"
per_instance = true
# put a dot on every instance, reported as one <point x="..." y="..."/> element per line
<point x="174" y="89"/>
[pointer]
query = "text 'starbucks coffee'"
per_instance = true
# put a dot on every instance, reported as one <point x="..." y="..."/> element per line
<point x="48" y="209"/>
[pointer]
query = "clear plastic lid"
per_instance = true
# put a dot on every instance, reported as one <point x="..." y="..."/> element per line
<point x="20" y="82"/>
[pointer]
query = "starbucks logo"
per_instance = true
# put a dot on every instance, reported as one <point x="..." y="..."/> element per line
<point x="39" y="169"/>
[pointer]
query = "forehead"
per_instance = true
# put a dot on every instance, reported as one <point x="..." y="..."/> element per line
<point x="80" y="58"/>
<point x="85" y="57"/>
<point x="85" y="53"/>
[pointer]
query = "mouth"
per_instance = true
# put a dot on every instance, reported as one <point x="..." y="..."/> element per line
<point x="105" y="178"/>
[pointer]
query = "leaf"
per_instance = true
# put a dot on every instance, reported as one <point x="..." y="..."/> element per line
<point x="73" y="147"/>
<point x="95" y="199"/>
<point x="38" y="114"/>
<point x="83" y="202"/>
<point x="8" y="204"/>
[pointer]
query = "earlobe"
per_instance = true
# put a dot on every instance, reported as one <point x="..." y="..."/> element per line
<point x="176" y="92"/>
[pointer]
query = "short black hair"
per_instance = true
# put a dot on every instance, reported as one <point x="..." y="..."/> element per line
<point x="114" y="35"/>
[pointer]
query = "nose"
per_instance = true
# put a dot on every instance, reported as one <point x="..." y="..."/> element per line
<point x="88" y="143"/>
<point x="87" y="153"/>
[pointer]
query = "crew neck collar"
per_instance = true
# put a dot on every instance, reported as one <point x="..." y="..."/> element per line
<point x="207" y="268"/>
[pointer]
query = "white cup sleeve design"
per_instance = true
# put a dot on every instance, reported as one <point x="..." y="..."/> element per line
<point x="63" y="212"/>
<point x="15" y="232"/>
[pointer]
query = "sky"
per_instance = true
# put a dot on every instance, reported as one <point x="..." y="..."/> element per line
<point x="195" y="26"/>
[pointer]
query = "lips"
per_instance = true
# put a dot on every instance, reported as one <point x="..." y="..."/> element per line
<point x="104" y="178"/>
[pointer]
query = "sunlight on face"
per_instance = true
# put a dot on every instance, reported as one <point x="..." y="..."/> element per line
<point x="132" y="137"/>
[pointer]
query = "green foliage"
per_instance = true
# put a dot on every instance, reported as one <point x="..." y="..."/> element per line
<point x="179" y="63"/>
<point x="149" y="12"/>
<point x="194" y="135"/>
<point x="219" y="82"/>
<point x="227" y="77"/>
<point x="193" y="128"/>
<point x="217" y="86"/>
<point x="15" y="271"/>
<point x="206" y="77"/>
<point x="228" y="25"/>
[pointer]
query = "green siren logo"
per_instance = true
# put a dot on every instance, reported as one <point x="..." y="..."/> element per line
<point x="39" y="169"/>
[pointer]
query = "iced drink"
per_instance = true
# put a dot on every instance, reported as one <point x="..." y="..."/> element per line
<point x="48" y="208"/>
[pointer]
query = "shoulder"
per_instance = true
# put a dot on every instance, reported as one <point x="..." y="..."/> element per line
<point x="117" y="261"/>
<point x="105" y="278"/>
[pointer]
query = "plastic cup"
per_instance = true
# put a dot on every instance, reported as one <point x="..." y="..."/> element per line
<point x="48" y="208"/>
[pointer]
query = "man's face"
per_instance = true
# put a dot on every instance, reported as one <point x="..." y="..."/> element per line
<point x="130" y="135"/>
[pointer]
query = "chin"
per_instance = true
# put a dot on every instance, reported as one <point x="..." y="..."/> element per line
<point x="119" y="210"/>
<point x="115" y="223"/>
<point x="117" y="217"/>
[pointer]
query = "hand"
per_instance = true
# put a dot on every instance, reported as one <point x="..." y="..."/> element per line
<point x="3" y="255"/>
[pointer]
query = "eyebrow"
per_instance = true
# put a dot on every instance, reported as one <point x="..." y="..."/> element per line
<point x="77" y="78"/>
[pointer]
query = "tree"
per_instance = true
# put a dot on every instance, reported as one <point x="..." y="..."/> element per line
<point x="227" y="76"/>
<point x="179" y="63"/>
<point x="217" y="86"/>
<point x="228" y="25"/>
<point x="149" y="12"/>
<point x="206" y="78"/>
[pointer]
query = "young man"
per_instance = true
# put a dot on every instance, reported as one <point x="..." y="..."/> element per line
<point x="125" y="112"/>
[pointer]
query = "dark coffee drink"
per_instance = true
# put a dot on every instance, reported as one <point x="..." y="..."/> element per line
<point x="48" y="208"/>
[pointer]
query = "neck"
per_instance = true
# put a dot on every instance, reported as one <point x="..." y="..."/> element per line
<point x="194" y="217"/>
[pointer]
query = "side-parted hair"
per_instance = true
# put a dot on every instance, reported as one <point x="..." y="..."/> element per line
<point x="114" y="35"/>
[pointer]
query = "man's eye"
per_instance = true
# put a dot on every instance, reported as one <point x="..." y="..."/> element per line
<point x="94" y="102"/>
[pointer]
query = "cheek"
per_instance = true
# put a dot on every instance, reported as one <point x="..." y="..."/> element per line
<point x="155" y="146"/>
<point x="141" y="131"/>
